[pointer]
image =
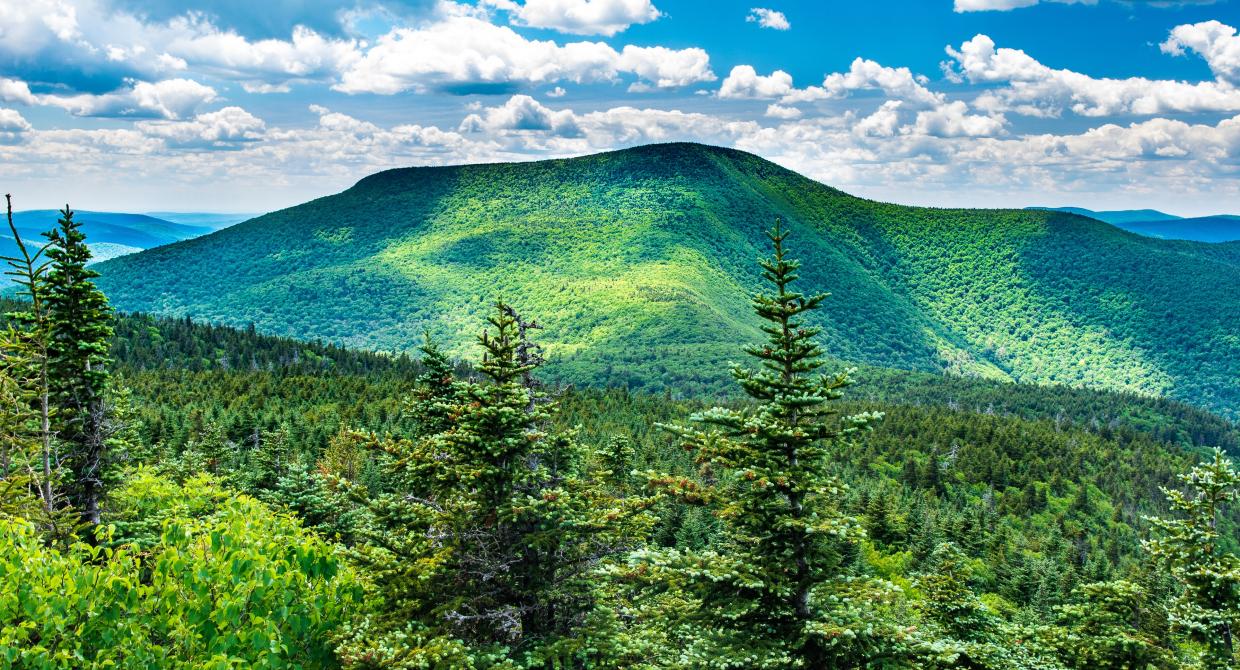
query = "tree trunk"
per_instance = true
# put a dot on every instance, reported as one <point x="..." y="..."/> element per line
<point x="45" y="488"/>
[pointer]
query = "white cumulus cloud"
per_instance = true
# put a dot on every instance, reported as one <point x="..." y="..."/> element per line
<point x="745" y="82"/>
<point x="522" y="113"/>
<point x="15" y="90"/>
<point x="263" y="65"/>
<point x="168" y="99"/>
<point x="462" y="50"/>
<point x="579" y="17"/>
<point x="1216" y="42"/>
<point x="13" y="126"/>
<point x="1006" y="5"/>
<point x="768" y="18"/>
<point x="991" y="5"/>
<point x="1034" y="89"/>
<point x="224" y="128"/>
<point x="954" y="120"/>
<point x="776" y="111"/>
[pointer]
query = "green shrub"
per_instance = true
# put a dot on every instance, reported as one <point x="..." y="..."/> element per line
<point x="226" y="583"/>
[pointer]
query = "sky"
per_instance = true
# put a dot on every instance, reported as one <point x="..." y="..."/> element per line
<point x="255" y="105"/>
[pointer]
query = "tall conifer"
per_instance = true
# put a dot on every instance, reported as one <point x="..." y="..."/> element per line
<point x="1208" y="606"/>
<point x="81" y="331"/>
<point x="768" y="479"/>
<point x="483" y="545"/>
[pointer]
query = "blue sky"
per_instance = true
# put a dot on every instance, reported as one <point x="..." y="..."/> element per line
<point x="219" y="105"/>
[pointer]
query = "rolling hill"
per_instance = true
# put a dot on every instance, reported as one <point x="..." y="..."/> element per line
<point x="638" y="263"/>
<point x="1153" y="223"/>
<point x="208" y="220"/>
<point x="110" y="234"/>
<point x="1116" y="217"/>
<point x="1221" y="228"/>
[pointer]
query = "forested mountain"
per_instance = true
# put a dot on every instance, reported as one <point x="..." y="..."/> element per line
<point x="137" y="230"/>
<point x="637" y="263"/>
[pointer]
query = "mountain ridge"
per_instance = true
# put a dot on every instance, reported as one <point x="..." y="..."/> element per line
<point x="639" y="262"/>
<point x="1218" y="228"/>
<point x="1117" y="216"/>
<point x="109" y="234"/>
<point x="1153" y="223"/>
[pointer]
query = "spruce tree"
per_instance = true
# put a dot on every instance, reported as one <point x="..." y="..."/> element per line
<point x="80" y="334"/>
<point x="483" y="543"/>
<point x="1102" y="630"/>
<point x="1208" y="606"/>
<point x="767" y="476"/>
<point x="428" y="409"/>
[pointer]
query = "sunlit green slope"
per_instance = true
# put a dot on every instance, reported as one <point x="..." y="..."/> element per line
<point x="637" y="262"/>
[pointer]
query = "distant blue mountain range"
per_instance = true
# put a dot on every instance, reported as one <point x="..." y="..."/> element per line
<point x="214" y="221"/>
<point x="112" y="234"/>
<point x="1153" y="223"/>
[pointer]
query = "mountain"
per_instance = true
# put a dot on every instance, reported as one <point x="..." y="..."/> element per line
<point x="638" y="263"/>
<point x="1116" y="217"/>
<point x="1153" y="223"/>
<point x="135" y="230"/>
<point x="102" y="251"/>
<point x="212" y="220"/>
<point x="109" y="234"/>
<point x="1222" y="228"/>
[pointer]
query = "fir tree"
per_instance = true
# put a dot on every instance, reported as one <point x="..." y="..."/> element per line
<point x="1208" y="606"/>
<point x="768" y="479"/>
<point x="80" y="332"/>
<point x="1103" y="630"/>
<point x="429" y="408"/>
<point x="484" y="543"/>
<point x="272" y="458"/>
<point x="948" y="602"/>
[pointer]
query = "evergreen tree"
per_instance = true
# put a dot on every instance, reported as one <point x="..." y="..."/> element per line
<point x="1208" y="606"/>
<point x="216" y="452"/>
<point x="948" y="602"/>
<point x="1103" y="630"/>
<point x="429" y="409"/>
<point x="344" y="455"/>
<point x="960" y="630"/>
<point x="80" y="332"/>
<point x="271" y="458"/>
<point x="883" y="522"/>
<point x="483" y="545"/>
<point x="764" y="593"/>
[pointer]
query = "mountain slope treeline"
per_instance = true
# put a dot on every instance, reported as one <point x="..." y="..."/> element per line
<point x="179" y="367"/>
<point x="638" y="261"/>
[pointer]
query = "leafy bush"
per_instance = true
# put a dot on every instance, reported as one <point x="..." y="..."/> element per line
<point x="221" y="581"/>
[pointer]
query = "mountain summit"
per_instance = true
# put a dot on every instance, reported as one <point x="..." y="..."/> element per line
<point x="638" y="262"/>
